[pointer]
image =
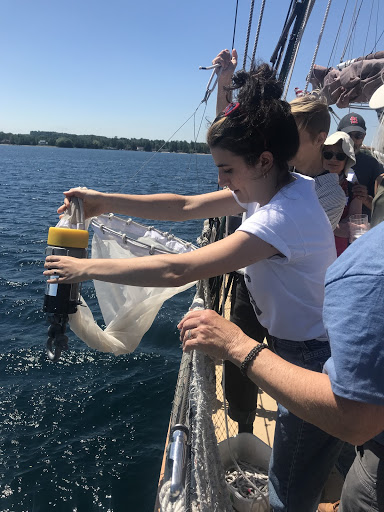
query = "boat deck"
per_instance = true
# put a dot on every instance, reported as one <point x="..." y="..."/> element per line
<point x="264" y="425"/>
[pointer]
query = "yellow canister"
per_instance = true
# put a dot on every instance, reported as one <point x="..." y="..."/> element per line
<point x="64" y="237"/>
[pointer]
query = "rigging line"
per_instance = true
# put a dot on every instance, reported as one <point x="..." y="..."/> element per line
<point x="318" y="45"/>
<point x="352" y="30"/>
<point x="276" y="62"/>
<point x="297" y="45"/>
<point x="154" y="154"/>
<point x="248" y="33"/>
<point x="377" y="21"/>
<point x="289" y="10"/>
<point x="336" y="118"/>
<point x="374" y="48"/>
<point x="258" y="31"/>
<point x="369" y="24"/>
<point x="234" y="26"/>
<point x="351" y="46"/>
<point x="348" y="33"/>
<point x="196" y="137"/>
<point x="338" y="34"/>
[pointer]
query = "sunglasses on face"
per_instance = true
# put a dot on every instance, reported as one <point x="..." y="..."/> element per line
<point x="328" y="155"/>
<point x="357" y="135"/>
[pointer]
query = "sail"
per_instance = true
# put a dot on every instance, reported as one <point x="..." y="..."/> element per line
<point x="354" y="81"/>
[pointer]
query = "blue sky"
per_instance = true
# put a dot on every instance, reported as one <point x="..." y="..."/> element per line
<point x="130" y="69"/>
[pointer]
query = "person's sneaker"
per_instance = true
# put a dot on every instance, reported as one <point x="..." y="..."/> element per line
<point x="329" y="507"/>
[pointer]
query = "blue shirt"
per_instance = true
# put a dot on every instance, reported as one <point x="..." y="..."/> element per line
<point x="354" y="319"/>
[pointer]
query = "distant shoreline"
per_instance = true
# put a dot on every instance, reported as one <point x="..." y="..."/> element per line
<point x="105" y="149"/>
<point x="71" y="140"/>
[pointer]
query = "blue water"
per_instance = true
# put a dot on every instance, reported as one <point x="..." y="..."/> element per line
<point x="86" y="433"/>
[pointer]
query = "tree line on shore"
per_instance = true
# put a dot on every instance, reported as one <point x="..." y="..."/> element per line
<point x="69" y="140"/>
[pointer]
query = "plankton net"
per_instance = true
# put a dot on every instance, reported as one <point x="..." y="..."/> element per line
<point x="128" y="311"/>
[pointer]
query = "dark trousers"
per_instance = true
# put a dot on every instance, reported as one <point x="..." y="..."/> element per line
<point x="240" y="391"/>
<point x="363" y="489"/>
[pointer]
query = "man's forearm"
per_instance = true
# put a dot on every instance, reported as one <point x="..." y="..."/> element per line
<point x="309" y="395"/>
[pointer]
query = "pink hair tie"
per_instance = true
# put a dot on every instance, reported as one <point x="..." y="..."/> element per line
<point x="231" y="108"/>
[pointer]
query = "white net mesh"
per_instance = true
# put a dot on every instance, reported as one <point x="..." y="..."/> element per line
<point x="128" y="311"/>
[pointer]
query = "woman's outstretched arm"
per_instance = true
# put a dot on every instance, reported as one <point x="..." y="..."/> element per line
<point x="236" y="251"/>
<point x="172" y="207"/>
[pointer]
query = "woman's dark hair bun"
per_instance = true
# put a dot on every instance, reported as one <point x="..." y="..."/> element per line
<point x="260" y="84"/>
<point x="262" y="121"/>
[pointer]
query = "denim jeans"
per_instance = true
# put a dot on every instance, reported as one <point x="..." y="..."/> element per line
<point x="363" y="489"/>
<point x="302" y="454"/>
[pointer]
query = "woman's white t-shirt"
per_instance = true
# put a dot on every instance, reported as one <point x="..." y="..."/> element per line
<point x="287" y="291"/>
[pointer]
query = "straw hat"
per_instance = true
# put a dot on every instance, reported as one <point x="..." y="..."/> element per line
<point x="347" y="147"/>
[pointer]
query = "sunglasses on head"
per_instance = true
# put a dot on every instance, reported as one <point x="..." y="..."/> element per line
<point x="328" y="155"/>
<point x="357" y="135"/>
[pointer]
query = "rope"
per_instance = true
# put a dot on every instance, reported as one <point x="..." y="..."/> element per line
<point x="255" y="474"/>
<point x="317" y="45"/>
<point x="297" y="45"/>
<point x="349" y="31"/>
<point x="154" y="154"/>
<point x="248" y="33"/>
<point x="374" y="48"/>
<point x="377" y="21"/>
<point x="336" y="118"/>
<point x="258" y="31"/>
<point x="352" y="29"/>
<point x="234" y="26"/>
<point x="338" y="33"/>
<point x="261" y="493"/>
<point x="196" y="135"/>
<point x="276" y="60"/>
<point x="369" y="24"/>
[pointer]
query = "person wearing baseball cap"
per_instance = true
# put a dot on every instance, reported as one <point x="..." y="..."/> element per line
<point x="353" y="123"/>
<point x="366" y="168"/>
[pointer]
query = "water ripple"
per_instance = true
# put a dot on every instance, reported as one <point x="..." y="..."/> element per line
<point x="86" y="433"/>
